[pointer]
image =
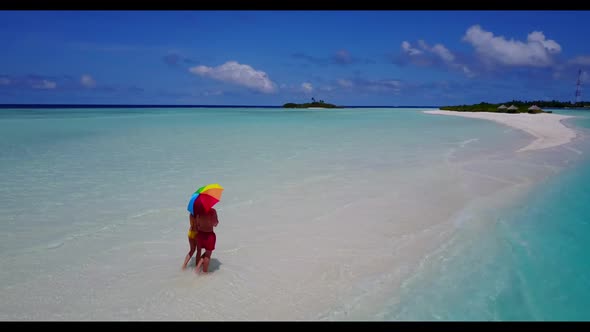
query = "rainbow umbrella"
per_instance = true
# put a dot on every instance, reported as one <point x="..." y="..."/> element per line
<point x="207" y="196"/>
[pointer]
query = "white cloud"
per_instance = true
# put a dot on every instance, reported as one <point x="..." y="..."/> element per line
<point x="380" y="86"/>
<point x="443" y="52"/>
<point x="537" y="51"/>
<point x="239" y="74"/>
<point x="385" y="85"/>
<point x="367" y="86"/>
<point x="87" y="81"/>
<point x="307" y="87"/>
<point x="538" y="36"/>
<point x="344" y="83"/>
<point x="439" y="50"/>
<point x="213" y="93"/>
<point x="407" y="47"/>
<point x="582" y="60"/>
<point x="44" y="84"/>
<point x="423" y="44"/>
<point x="434" y="55"/>
<point x="467" y="71"/>
<point x="343" y="57"/>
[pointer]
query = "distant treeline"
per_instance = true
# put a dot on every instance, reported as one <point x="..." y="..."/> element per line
<point x="548" y="103"/>
<point x="522" y="106"/>
<point x="321" y="104"/>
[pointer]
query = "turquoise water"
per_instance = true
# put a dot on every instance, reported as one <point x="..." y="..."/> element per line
<point x="93" y="219"/>
<point x="529" y="263"/>
<point x="64" y="167"/>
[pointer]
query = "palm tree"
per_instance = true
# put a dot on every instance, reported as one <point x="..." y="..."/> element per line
<point x="313" y="99"/>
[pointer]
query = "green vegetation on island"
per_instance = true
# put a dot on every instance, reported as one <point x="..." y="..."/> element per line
<point x="516" y="106"/>
<point x="313" y="104"/>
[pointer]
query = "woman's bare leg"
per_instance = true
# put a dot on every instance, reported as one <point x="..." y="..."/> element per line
<point x="198" y="258"/>
<point x="193" y="245"/>
<point x="206" y="260"/>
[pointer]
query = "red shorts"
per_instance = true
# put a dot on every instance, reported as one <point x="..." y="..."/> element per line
<point x="206" y="240"/>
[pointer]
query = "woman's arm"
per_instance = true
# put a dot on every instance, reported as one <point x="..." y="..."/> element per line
<point x="215" y="221"/>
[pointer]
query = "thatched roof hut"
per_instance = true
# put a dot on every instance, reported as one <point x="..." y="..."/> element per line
<point x="502" y="107"/>
<point x="534" y="108"/>
<point x="512" y="108"/>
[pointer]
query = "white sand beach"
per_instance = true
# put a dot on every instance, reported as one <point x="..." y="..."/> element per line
<point x="547" y="128"/>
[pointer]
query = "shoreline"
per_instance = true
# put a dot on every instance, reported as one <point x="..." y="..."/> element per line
<point x="547" y="129"/>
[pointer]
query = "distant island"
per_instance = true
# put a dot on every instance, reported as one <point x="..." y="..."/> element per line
<point x="516" y="106"/>
<point x="313" y="104"/>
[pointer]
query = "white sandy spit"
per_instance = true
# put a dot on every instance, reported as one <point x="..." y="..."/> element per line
<point x="547" y="128"/>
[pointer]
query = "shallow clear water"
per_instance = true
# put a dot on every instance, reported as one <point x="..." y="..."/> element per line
<point x="528" y="262"/>
<point x="93" y="219"/>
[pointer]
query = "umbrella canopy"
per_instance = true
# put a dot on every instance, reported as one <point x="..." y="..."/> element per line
<point x="207" y="196"/>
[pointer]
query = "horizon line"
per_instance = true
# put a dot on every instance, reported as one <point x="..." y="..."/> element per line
<point x="188" y="106"/>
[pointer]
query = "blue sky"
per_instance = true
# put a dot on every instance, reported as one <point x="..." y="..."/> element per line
<point x="273" y="57"/>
